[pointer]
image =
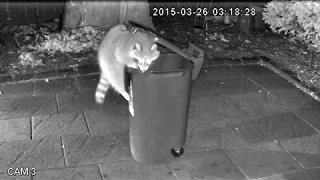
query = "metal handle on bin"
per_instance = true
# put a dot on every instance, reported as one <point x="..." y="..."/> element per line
<point x="161" y="75"/>
<point x="172" y="47"/>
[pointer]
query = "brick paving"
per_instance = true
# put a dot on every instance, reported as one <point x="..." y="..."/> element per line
<point x="245" y="123"/>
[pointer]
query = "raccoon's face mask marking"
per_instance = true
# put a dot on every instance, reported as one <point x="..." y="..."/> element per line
<point x="143" y="57"/>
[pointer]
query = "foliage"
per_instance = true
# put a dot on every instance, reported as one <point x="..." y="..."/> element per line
<point x="77" y="40"/>
<point x="301" y="19"/>
<point x="35" y="44"/>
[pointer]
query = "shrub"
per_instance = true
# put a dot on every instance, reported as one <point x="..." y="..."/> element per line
<point x="301" y="19"/>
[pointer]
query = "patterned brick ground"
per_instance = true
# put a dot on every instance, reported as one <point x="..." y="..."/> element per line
<point x="245" y="123"/>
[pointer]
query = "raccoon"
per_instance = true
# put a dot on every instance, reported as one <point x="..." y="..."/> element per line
<point x="120" y="49"/>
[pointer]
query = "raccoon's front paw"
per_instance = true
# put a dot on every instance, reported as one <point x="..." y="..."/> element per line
<point x="126" y="96"/>
<point x="133" y="66"/>
<point x="99" y="99"/>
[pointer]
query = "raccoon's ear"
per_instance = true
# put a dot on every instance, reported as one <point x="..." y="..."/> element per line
<point x="153" y="47"/>
<point x="138" y="46"/>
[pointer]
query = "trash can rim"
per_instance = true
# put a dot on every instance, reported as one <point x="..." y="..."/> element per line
<point x="188" y="67"/>
<point x="161" y="71"/>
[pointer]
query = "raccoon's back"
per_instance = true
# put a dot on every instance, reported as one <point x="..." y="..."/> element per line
<point x="113" y="40"/>
<point x="115" y="37"/>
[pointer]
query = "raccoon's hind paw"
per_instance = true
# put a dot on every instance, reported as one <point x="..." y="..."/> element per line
<point x="99" y="99"/>
<point x="131" y="110"/>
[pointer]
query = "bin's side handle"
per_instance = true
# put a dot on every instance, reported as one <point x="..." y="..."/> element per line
<point x="161" y="75"/>
<point x="172" y="47"/>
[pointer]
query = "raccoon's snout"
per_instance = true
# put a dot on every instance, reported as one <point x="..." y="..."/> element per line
<point x="143" y="71"/>
<point x="143" y="68"/>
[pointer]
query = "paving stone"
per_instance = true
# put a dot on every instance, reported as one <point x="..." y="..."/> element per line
<point x="39" y="154"/>
<point x="290" y="73"/>
<point x="91" y="68"/>
<point x="272" y="83"/>
<point x="193" y="94"/>
<point x="122" y="148"/>
<point x="27" y="106"/>
<point x="88" y="83"/>
<point x="21" y="77"/>
<point x="56" y="85"/>
<point x="67" y="72"/>
<point x="221" y="61"/>
<point x="212" y="164"/>
<point x="295" y="99"/>
<point x="192" y="140"/>
<point x="214" y="108"/>
<point x="253" y="106"/>
<point x="56" y="125"/>
<point x="254" y="70"/>
<point x="90" y="172"/>
<point x="208" y="136"/>
<point x="4" y="78"/>
<point x="306" y="150"/>
<point x="108" y="121"/>
<point x="15" y="129"/>
<point x="223" y="87"/>
<point x="5" y="176"/>
<point x="129" y="169"/>
<point x="310" y="115"/>
<point x="250" y="60"/>
<point x="48" y="74"/>
<point x="308" y="174"/>
<point x="301" y="104"/>
<point x="218" y="73"/>
<point x="87" y="149"/>
<point x="263" y="161"/>
<point x="77" y="102"/>
<point x="277" y="126"/>
<point x="272" y="62"/>
<point x="215" y="62"/>
<point x="192" y="123"/>
<point x="16" y="90"/>
<point x="217" y="135"/>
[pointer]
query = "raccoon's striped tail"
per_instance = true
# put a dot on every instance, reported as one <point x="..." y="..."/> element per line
<point x="102" y="90"/>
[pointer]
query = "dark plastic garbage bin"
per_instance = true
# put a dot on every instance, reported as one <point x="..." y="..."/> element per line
<point x="160" y="100"/>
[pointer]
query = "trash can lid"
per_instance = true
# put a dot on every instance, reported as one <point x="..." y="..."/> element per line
<point x="167" y="63"/>
<point x="134" y="27"/>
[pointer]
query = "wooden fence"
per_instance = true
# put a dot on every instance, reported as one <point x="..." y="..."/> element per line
<point x="13" y="13"/>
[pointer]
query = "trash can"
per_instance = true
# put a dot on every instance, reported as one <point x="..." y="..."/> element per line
<point x="159" y="109"/>
<point x="192" y="53"/>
